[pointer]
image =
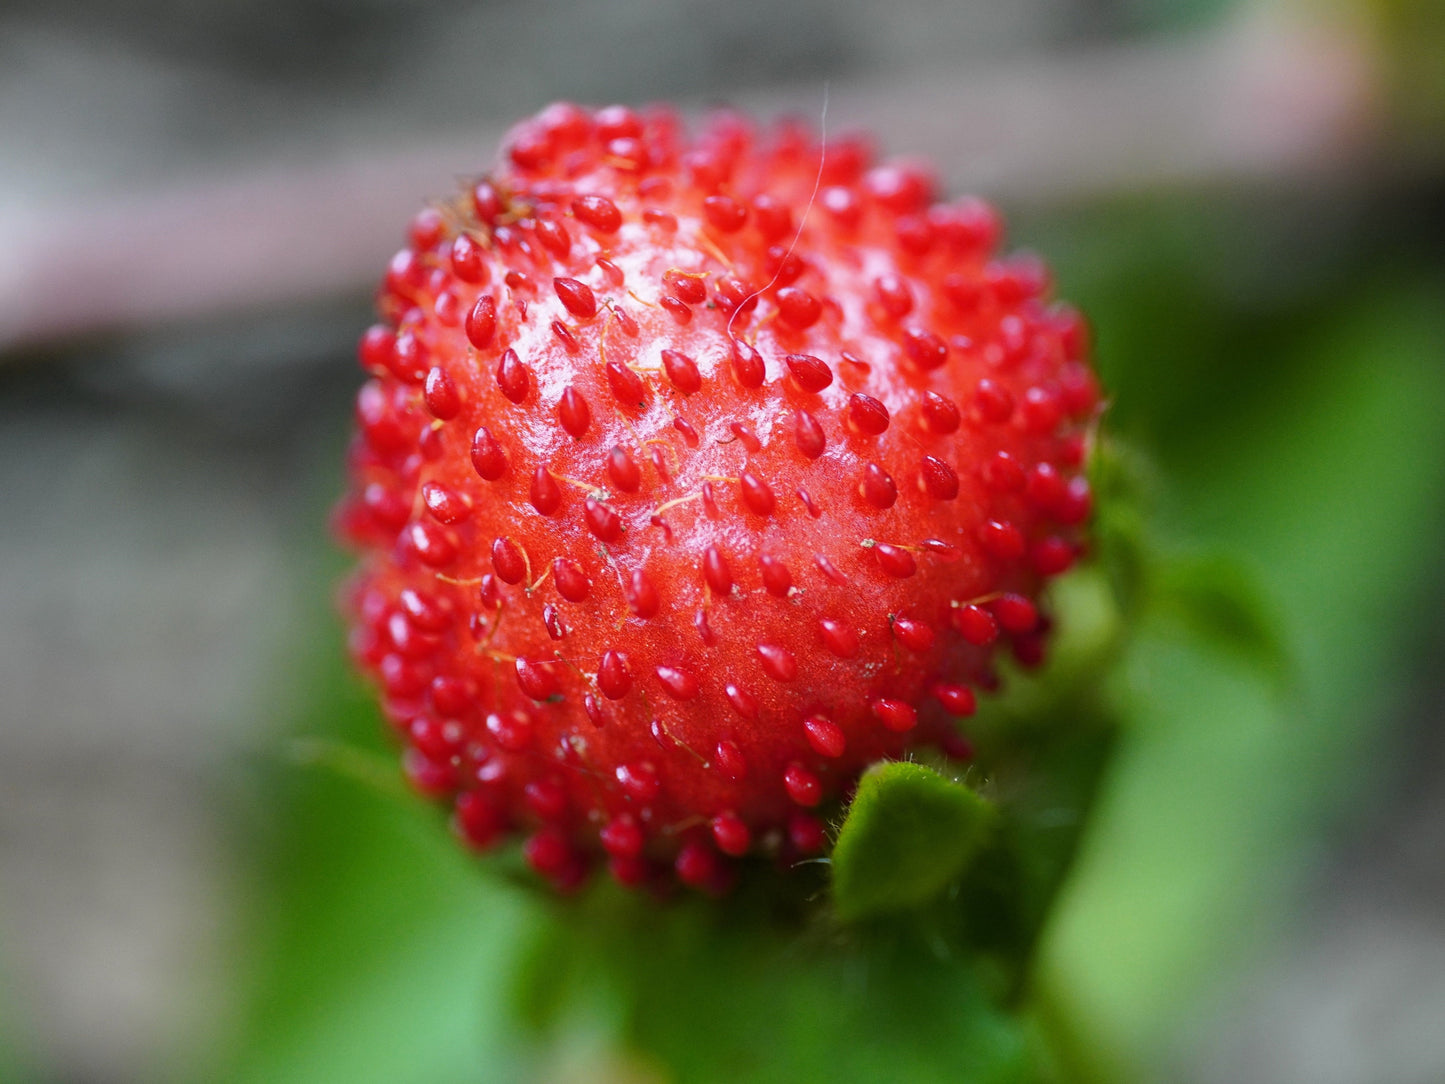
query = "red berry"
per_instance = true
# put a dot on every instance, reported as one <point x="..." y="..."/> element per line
<point x="573" y="412"/>
<point x="441" y="395"/>
<point x="866" y="415"/>
<point x="1016" y="613"/>
<point x="681" y="371"/>
<point x="806" y="833"/>
<point x="825" y="736"/>
<point x="599" y="212"/>
<point x="697" y="864"/>
<point x="798" y="308"/>
<point x="664" y="554"/>
<point x="724" y="213"/>
<point x="576" y="297"/>
<point x="730" y="834"/>
<point x="976" y="625"/>
<point x="802" y="785"/>
<point x="622" y="838"/>
<point x="481" y="323"/>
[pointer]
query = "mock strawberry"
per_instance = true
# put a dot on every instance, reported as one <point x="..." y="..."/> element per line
<point x="694" y="475"/>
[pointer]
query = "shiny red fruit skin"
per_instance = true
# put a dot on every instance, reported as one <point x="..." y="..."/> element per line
<point x="691" y="476"/>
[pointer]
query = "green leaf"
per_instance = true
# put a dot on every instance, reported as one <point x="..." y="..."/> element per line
<point x="376" y="950"/>
<point x="1224" y="603"/>
<point x="909" y="833"/>
<point x="697" y="993"/>
<point x="1329" y="480"/>
<point x="17" y="1059"/>
<point x="1125" y="484"/>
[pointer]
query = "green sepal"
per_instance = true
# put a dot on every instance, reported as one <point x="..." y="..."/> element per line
<point x="909" y="834"/>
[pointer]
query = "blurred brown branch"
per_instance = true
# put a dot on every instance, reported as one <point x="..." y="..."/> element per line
<point x="1253" y="101"/>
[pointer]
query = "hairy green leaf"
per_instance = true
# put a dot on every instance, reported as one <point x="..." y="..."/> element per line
<point x="909" y="833"/>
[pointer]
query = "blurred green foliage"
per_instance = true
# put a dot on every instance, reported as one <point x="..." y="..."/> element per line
<point x="1280" y="403"/>
<point x="1411" y="34"/>
<point x="1300" y="435"/>
<point x="15" y="1062"/>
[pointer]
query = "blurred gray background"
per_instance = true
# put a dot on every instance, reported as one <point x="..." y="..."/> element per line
<point x="195" y="198"/>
